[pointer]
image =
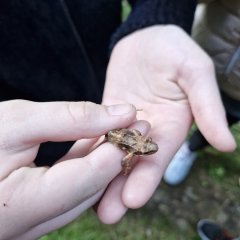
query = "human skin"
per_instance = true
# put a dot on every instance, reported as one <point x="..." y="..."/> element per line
<point x="162" y="71"/>
<point x="37" y="200"/>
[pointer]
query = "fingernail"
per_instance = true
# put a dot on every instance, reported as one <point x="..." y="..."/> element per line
<point x="120" y="109"/>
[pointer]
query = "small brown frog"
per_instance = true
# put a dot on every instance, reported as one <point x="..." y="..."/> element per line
<point x="133" y="143"/>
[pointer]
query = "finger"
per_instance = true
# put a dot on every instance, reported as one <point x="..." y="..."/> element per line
<point x="59" y="221"/>
<point x="58" y="189"/>
<point x="31" y="122"/>
<point x="208" y="110"/>
<point x="147" y="174"/>
<point x="111" y="207"/>
<point x="81" y="148"/>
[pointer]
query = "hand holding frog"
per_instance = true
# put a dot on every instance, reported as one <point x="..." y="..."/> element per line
<point x="36" y="200"/>
<point x="162" y="71"/>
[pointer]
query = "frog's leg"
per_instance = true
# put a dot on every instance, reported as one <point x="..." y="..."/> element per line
<point x="126" y="163"/>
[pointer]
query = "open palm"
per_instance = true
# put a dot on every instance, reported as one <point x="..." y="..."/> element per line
<point x="163" y="72"/>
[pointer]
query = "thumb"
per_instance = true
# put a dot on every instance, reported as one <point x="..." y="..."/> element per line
<point x="209" y="112"/>
<point x="32" y="122"/>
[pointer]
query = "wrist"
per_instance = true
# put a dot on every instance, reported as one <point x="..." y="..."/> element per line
<point x="146" y="13"/>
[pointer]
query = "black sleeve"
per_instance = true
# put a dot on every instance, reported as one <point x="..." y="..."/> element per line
<point x="152" y="12"/>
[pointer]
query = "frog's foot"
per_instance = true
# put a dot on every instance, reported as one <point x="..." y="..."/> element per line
<point x="127" y="163"/>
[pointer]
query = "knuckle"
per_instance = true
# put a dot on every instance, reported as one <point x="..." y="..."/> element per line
<point x="203" y="67"/>
<point x="86" y="111"/>
<point x="208" y="64"/>
<point x="82" y="111"/>
<point x="10" y="114"/>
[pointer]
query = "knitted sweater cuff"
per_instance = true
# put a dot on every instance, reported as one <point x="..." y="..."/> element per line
<point x="147" y="13"/>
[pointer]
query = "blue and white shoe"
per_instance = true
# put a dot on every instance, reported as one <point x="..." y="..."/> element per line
<point x="180" y="166"/>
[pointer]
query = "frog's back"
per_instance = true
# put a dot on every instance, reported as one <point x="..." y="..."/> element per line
<point x="133" y="142"/>
<point x="126" y="139"/>
<point x="129" y="139"/>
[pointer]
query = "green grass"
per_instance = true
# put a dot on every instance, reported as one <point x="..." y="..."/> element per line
<point x="126" y="9"/>
<point x="136" y="226"/>
<point x="225" y="164"/>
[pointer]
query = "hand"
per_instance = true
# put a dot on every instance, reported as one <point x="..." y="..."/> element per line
<point x="162" y="71"/>
<point x="37" y="200"/>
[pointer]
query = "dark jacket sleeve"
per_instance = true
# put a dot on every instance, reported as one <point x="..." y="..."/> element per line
<point x="152" y="12"/>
